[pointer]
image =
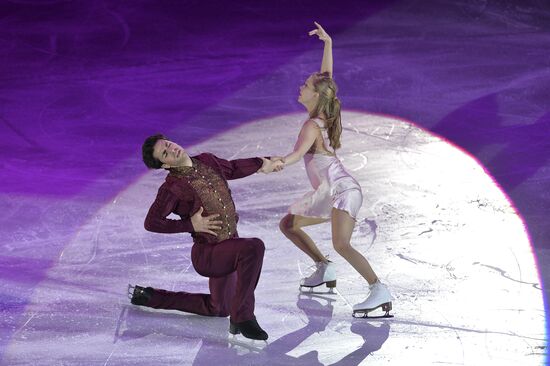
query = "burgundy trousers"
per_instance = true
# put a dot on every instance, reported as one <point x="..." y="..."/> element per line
<point x="234" y="267"/>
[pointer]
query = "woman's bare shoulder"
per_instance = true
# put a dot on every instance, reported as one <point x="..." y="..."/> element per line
<point x="316" y="123"/>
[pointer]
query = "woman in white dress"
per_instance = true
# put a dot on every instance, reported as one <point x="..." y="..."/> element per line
<point x="337" y="196"/>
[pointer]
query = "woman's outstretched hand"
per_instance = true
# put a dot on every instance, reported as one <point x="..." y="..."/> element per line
<point x="320" y="32"/>
<point x="272" y="165"/>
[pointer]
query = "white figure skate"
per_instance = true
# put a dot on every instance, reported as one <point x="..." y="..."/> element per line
<point x="324" y="275"/>
<point x="379" y="297"/>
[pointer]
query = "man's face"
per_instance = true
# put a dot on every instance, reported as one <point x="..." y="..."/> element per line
<point x="169" y="153"/>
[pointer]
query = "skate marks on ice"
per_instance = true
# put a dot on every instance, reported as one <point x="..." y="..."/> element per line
<point x="206" y="337"/>
<point x="445" y="239"/>
<point x="456" y="268"/>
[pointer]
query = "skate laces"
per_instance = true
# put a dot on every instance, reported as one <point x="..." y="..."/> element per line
<point x="377" y="284"/>
<point x="318" y="267"/>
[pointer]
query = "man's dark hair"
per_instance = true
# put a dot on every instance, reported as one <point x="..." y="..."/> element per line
<point x="147" y="151"/>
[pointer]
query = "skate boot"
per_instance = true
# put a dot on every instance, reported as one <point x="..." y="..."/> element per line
<point x="379" y="297"/>
<point x="324" y="274"/>
<point x="249" y="328"/>
<point x="139" y="295"/>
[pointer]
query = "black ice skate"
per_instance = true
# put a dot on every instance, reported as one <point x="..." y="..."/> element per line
<point x="249" y="329"/>
<point x="139" y="295"/>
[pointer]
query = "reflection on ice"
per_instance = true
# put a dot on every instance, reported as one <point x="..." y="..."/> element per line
<point x="434" y="226"/>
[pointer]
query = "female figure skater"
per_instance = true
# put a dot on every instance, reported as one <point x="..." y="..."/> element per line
<point x="337" y="196"/>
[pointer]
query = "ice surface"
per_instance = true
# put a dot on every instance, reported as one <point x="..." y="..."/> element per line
<point x="447" y="242"/>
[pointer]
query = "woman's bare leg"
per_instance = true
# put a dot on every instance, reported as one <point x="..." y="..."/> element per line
<point x="342" y="228"/>
<point x="291" y="226"/>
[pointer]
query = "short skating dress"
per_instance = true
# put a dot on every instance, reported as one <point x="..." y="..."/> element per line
<point x="333" y="185"/>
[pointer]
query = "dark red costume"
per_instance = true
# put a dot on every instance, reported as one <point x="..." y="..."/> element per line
<point x="233" y="264"/>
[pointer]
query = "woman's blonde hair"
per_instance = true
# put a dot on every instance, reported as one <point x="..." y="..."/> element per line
<point x="329" y="105"/>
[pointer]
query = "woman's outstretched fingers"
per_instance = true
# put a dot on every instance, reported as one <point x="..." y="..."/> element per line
<point x="320" y="32"/>
<point x="316" y="31"/>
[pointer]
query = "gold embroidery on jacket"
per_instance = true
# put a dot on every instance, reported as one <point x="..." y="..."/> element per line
<point x="215" y="196"/>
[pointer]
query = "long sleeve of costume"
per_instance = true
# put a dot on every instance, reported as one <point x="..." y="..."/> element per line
<point x="238" y="168"/>
<point x="157" y="221"/>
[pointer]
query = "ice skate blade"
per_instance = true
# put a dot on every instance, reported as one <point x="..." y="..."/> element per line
<point x="364" y="313"/>
<point x="331" y="285"/>
<point x="358" y="314"/>
<point x="309" y="290"/>
<point x="253" y="345"/>
<point x="234" y="331"/>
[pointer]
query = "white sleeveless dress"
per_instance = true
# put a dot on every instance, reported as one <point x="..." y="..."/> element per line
<point x="333" y="185"/>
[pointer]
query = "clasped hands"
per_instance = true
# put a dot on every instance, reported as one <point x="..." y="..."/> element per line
<point x="275" y="164"/>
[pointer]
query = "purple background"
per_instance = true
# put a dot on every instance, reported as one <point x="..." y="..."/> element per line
<point x="83" y="82"/>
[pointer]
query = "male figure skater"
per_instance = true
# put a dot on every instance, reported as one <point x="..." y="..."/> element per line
<point x="196" y="189"/>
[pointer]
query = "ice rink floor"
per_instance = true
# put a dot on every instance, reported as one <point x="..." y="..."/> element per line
<point x="445" y="240"/>
<point x="446" y="124"/>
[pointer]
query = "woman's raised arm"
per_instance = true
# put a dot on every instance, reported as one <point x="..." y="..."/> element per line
<point x="326" y="64"/>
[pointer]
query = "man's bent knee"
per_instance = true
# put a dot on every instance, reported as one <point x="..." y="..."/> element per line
<point x="258" y="245"/>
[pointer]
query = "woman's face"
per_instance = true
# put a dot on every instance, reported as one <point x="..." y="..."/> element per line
<point x="308" y="95"/>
